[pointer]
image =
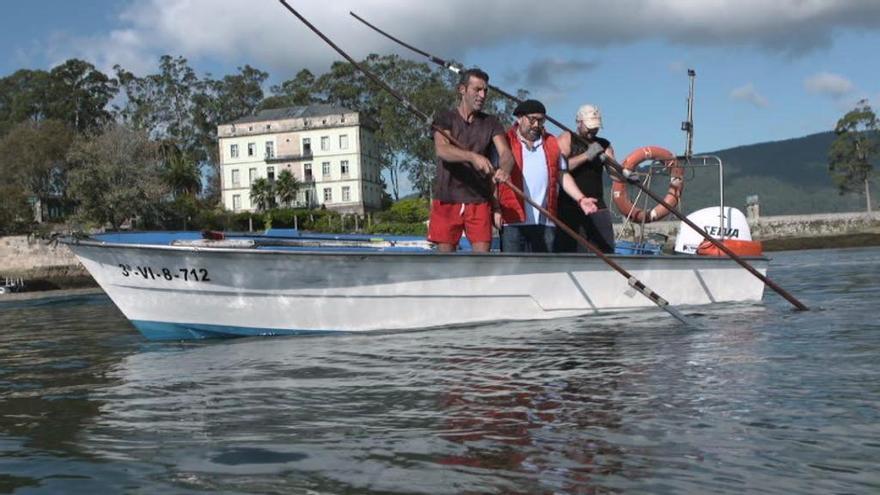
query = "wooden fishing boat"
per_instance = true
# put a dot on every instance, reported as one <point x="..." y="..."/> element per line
<point x="177" y="285"/>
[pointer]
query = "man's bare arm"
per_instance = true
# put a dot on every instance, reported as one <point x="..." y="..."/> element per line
<point x="586" y="203"/>
<point x="505" y="158"/>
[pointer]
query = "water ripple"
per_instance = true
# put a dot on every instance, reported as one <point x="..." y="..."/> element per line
<point x="761" y="399"/>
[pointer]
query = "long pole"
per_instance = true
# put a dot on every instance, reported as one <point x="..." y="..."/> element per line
<point x="616" y="170"/>
<point x="631" y="280"/>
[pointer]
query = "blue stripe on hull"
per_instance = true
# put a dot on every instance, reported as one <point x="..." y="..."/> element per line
<point x="159" y="330"/>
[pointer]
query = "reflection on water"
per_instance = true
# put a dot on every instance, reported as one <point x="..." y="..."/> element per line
<point x="762" y="399"/>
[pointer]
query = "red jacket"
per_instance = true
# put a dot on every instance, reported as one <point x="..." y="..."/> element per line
<point x="512" y="206"/>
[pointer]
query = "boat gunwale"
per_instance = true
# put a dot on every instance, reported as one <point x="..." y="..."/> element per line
<point x="333" y="251"/>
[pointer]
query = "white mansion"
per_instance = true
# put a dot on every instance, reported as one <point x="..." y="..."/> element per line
<point x="328" y="149"/>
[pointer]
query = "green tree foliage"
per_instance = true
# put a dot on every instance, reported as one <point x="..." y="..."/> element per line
<point x="79" y="95"/>
<point x="23" y="96"/>
<point x="286" y="187"/>
<point x="180" y="171"/>
<point x="163" y="104"/>
<point x="116" y="175"/>
<point x="32" y="158"/>
<point x="410" y="210"/>
<point x="16" y="213"/>
<point x="73" y="92"/>
<point x="854" y="150"/>
<point x="262" y="194"/>
<point x="299" y="91"/>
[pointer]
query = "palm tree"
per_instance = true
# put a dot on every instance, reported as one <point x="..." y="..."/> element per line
<point x="181" y="172"/>
<point x="262" y="193"/>
<point x="286" y="187"/>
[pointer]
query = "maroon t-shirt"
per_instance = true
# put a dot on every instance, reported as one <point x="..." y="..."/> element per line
<point x="459" y="182"/>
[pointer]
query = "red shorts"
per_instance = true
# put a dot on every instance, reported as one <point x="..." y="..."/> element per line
<point x="448" y="220"/>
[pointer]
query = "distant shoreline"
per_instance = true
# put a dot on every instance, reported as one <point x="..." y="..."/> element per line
<point x="822" y="242"/>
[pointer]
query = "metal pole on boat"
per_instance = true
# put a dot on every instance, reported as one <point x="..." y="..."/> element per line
<point x="615" y="170"/>
<point x="631" y="280"/>
<point x="688" y="125"/>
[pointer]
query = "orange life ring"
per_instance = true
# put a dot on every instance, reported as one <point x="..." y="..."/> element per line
<point x="673" y="194"/>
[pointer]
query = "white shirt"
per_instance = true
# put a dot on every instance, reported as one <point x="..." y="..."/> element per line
<point x="535" y="178"/>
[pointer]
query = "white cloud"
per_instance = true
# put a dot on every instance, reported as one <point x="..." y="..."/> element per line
<point x="264" y="34"/>
<point x="749" y="94"/>
<point x="826" y="83"/>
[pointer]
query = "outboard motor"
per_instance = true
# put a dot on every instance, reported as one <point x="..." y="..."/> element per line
<point x="733" y="226"/>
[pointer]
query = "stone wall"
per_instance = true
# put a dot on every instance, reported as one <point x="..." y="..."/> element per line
<point x="23" y="256"/>
<point x="789" y="226"/>
<point x="826" y="224"/>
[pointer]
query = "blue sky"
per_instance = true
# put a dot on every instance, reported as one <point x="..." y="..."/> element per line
<point x="766" y="70"/>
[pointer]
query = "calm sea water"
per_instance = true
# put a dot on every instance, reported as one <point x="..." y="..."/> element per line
<point x="762" y="399"/>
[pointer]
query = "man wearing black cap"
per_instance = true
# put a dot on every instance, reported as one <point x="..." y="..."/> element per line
<point x="539" y="169"/>
<point x="463" y="184"/>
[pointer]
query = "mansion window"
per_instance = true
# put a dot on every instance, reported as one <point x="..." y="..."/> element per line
<point x="325" y="143"/>
<point x="343" y="167"/>
<point x="236" y="179"/>
<point x="325" y="169"/>
<point x="270" y="149"/>
<point x="346" y="193"/>
<point x="252" y="176"/>
<point x="233" y="150"/>
<point x="236" y="202"/>
<point x="328" y="195"/>
<point x="343" y="141"/>
<point x="252" y="149"/>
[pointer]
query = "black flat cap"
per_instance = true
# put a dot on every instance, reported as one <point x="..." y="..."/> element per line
<point x="529" y="106"/>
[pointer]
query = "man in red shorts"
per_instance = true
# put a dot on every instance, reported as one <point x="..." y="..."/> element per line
<point x="463" y="185"/>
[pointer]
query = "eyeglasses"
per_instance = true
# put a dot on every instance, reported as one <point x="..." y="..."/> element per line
<point x="539" y="121"/>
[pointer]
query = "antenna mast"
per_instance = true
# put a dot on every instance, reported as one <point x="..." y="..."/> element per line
<point x="688" y="125"/>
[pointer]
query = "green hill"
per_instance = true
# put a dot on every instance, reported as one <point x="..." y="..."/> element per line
<point x="789" y="177"/>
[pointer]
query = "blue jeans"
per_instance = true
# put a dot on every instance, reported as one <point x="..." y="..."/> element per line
<point x="523" y="238"/>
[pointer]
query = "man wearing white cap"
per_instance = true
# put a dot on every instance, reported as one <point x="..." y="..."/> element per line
<point x="585" y="165"/>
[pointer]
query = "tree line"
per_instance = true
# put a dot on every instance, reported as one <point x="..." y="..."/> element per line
<point x="111" y="147"/>
<point x="855" y="151"/>
<point x="120" y="146"/>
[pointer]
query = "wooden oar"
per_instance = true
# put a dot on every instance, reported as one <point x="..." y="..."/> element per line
<point x="614" y="169"/>
<point x="633" y="282"/>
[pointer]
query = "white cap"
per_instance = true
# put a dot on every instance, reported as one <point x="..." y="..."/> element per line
<point x="590" y="116"/>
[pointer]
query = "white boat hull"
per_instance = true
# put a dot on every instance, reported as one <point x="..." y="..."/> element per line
<point x="173" y="292"/>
